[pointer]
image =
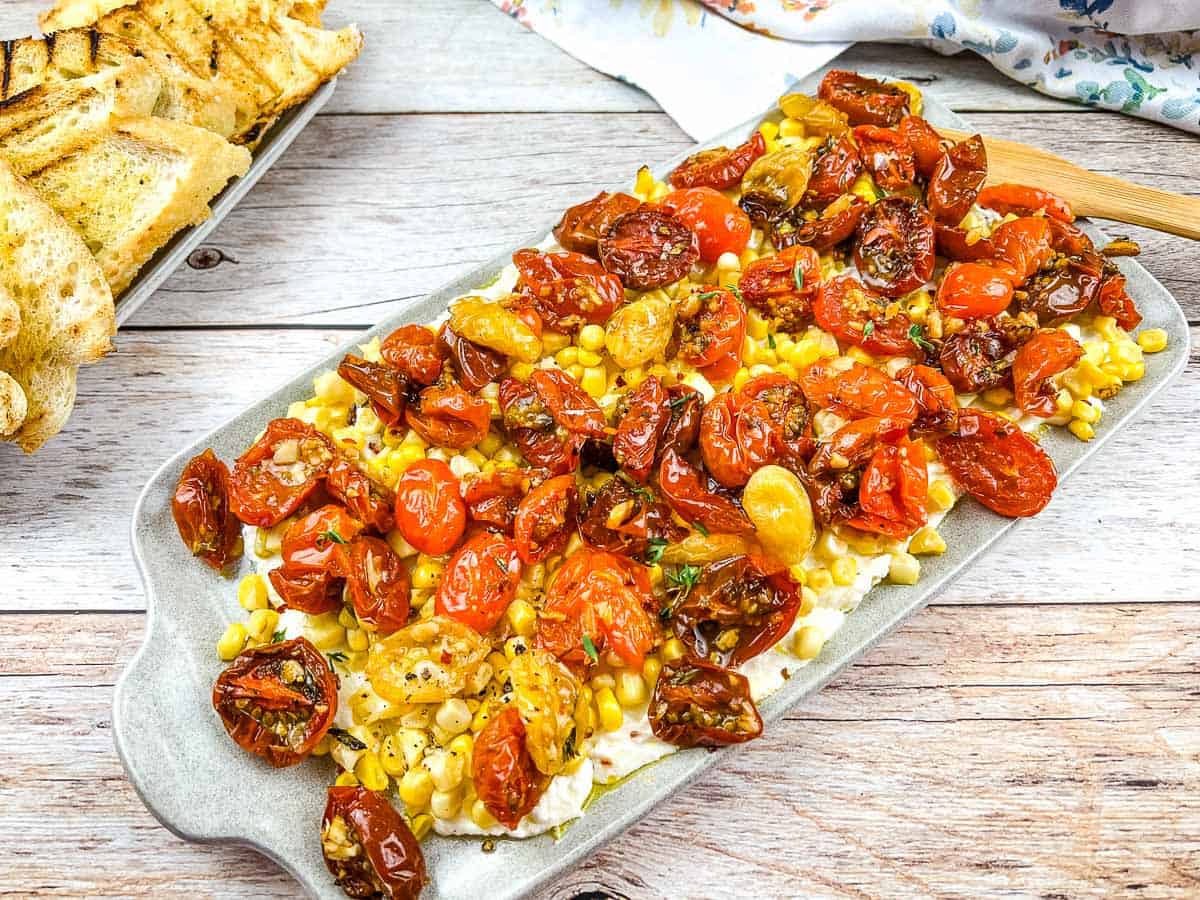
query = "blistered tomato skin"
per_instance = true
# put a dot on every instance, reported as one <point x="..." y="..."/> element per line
<point x="480" y="581"/>
<point x="783" y="287"/>
<point x="430" y="512"/>
<point x="837" y="166"/>
<point x="413" y="350"/>
<point x="582" y="225"/>
<point x="719" y="168"/>
<point x="568" y="289"/>
<point x="202" y="512"/>
<point x="895" y="252"/>
<point x="641" y="428"/>
<point x="310" y="544"/>
<point x="888" y="157"/>
<point x="864" y="100"/>
<point x="475" y="365"/>
<point x="1049" y="352"/>
<point x="648" y="249"/>
<point x="448" y="416"/>
<point x="369" y="848"/>
<point x="956" y="180"/>
<point x="998" y="464"/>
<point x="545" y="519"/>
<point x="378" y="583"/>
<point x="719" y="224"/>
<point x="700" y="704"/>
<point x="892" y="491"/>
<point x="1023" y="200"/>
<point x="684" y="488"/>
<point x="716" y="332"/>
<point x="279" y="472"/>
<point x="384" y="386"/>
<point x="506" y="779"/>
<point x="974" y="291"/>
<point x="366" y="500"/>
<point x="856" y="314"/>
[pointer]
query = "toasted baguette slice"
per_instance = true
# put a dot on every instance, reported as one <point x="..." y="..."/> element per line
<point x="81" y="13"/>
<point x="65" y="312"/>
<point x="130" y="192"/>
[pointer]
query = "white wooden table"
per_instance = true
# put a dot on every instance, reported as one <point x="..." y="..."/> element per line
<point x="1035" y="732"/>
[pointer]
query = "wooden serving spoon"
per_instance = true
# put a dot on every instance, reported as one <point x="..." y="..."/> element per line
<point x="1090" y="194"/>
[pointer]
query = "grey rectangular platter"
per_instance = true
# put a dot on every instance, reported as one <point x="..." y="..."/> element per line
<point x="176" y="251"/>
<point x="204" y="788"/>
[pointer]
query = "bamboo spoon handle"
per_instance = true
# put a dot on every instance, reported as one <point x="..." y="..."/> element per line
<point x="1090" y="194"/>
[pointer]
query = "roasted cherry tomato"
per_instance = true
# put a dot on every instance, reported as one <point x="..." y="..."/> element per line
<point x="475" y="364"/>
<point x="894" y="253"/>
<point x="528" y="422"/>
<point x="736" y="611"/>
<point x="887" y="156"/>
<point x="448" y="416"/>
<point x="641" y="427"/>
<point x="853" y="445"/>
<point x="1114" y="301"/>
<point x="956" y="180"/>
<point x="892" y="491"/>
<point x="378" y="583"/>
<point x="952" y="244"/>
<point x="384" y="386"/>
<point x="865" y="101"/>
<point x="1064" y="290"/>
<point x="311" y="543"/>
<point x="648" y="249"/>
<point x="974" y="291"/>
<point x="974" y="360"/>
<point x="782" y="287"/>
<point x="369" y="848"/>
<point x="698" y="704"/>
<point x="568" y="289"/>
<point x="276" y="475"/>
<point x="570" y="405"/>
<point x="622" y="518"/>
<point x="1022" y="200"/>
<point x="937" y="404"/>
<point x="506" y="779"/>
<point x="310" y="592"/>
<point x="836" y="167"/>
<point x="719" y="224"/>
<point x="277" y="701"/>
<point x="1049" y="352"/>
<point x="856" y="391"/>
<point x="720" y="167"/>
<point x="924" y="142"/>
<point x="1024" y="244"/>
<point x="837" y="223"/>
<point x="683" y="486"/>
<point x="546" y="518"/>
<point x="998" y="464"/>
<point x="582" y="225"/>
<point x="414" y="350"/>
<point x="365" y="499"/>
<point x="430" y="512"/>
<point x="683" y="428"/>
<point x="492" y="498"/>
<point x="600" y="597"/>
<point x="854" y="313"/>
<point x="202" y="512"/>
<point x="782" y="401"/>
<point x="1068" y="239"/>
<point x="736" y="438"/>
<point x="480" y="581"/>
<point x="716" y="332"/>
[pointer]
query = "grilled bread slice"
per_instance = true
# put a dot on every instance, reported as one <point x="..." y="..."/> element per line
<point x="64" y="312"/>
<point x="81" y="13"/>
<point x="130" y="192"/>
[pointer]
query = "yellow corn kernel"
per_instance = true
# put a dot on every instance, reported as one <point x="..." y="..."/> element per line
<point x="480" y="720"/>
<point x="252" y="592"/>
<point x="631" y="689"/>
<point x="591" y="337"/>
<point x="808" y="642"/>
<point x="808" y="601"/>
<point x="567" y="356"/>
<point x="791" y="128"/>
<point x="819" y="579"/>
<point x="609" y="710"/>
<point x="644" y="183"/>
<point x="232" y="641"/>
<point x="323" y="745"/>
<point x="860" y="355"/>
<point x="347" y="619"/>
<point x="827" y="345"/>
<point x="916" y="102"/>
<point x="416" y="787"/>
<point x="927" y="542"/>
<point x="941" y="495"/>
<point x="262" y="623"/>
<point x="594" y="381"/>
<point x="391" y="756"/>
<point x="1085" y="412"/>
<point x="651" y="669"/>
<point x="426" y="574"/>
<point x="463" y="746"/>
<point x="1081" y="429"/>
<point x="865" y="188"/>
<point x="324" y="631"/>
<point x="575" y="371"/>
<point x="904" y="569"/>
<point x="769" y="130"/>
<point x="602" y="681"/>
<point x="522" y="617"/>
<point x="367" y="422"/>
<point x="740" y="377"/>
<point x="480" y="815"/>
<point x="370" y="773"/>
<point x="1063" y="401"/>
<point x="844" y="570"/>
<point x="521" y="370"/>
<point x="997" y="396"/>
<point x="453" y="715"/>
<point x="673" y="650"/>
<point x="1152" y="340"/>
<point x="421" y="826"/>
<point x="829" y="546"/>
<point x="787" y="370"/>
<point x="331" y="389"/>
<point x="357" y="640"/>
<point x="514" y="647"/>
<point x="446" y="804"/>
<point x="1077" y="383"/>
<point x="490" y="444"/>
<point x="917" y="306"/>
<point x="1133" y="371"/>
<point x="589" y="358"/>
<point x="346" y="779"/>
<point x="756" y="326"/>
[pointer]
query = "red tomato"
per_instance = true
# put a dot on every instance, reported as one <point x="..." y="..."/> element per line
<point x="310" y="592"/>
<point x="202" y="512"/>
<point x="718" y="223"/>
<point x="720" y="167"/>
<point x="892" y="491"/>
<point x="622" y="519"/>
<point x="567" y="289"/>
<point x="937" y="403"/>
<point x="956" y="180"/>
<point x="865" y="101"/>
<point x="289" y="682"/>
<point x="782" y="403"/>
<point x="1024" y="244"/>
<point x="1068" y="239"/>
<point x="480" y="581"/>
<point x="683" y="427"/>
<point x="475" y="364"/>
<point x="603" y="597"/>
<point x="648" y="249"/>
<point x="641" y="427"/>
<point x="683" y="487"/>
<point x="716" y="332"/>
<point x="414" y="350"/>
<point x="924" y="142"/>
<point x="1114" y="301"/>
<point x="493" y="498"/>
<point x="998" y="464"/>
<point x="782" y="287"/>
<point x="974" y="359"/>
<point x="448" y="416"/>
<point x="372" y="853"/>
<point x="1065" y="289"/>
<point x="310" y="544"/>
<point x="1022" y="200"/>
<point x="546" y="518"/>
<point x="276" y="475"/>
<point x="974" y="291"/>
<point x="835" y="169"/>
<point x="368" y="501"/>
<point x="952" y="244"/>
<point x="894" y="253"/>
<point x="836" y="224"/>
<point x="852" y="445"/>
<point x="430" y="512"/>
<point x="699" y="704"/>
<point x="584" y="224"/>
<point x="570" y="405"/>
<point x="887" y="155"/>
<point x="506" y="779"/>
<point x="856" y="391"/>
<point x="383" y="385"/>
<point x="736" y="438"/>
<point x="1046" y="354"/>
<point x="855" y="314"/>
<point x="379" y="584"/>
<point x="529" y="424"/>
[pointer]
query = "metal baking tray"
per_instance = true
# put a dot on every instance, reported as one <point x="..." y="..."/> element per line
<point x="186" y="769"/>
<point x="176" y="251"/>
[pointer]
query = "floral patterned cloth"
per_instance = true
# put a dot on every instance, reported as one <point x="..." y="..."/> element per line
<point x="711" y="64"/>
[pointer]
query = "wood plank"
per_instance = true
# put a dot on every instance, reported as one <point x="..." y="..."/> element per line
<point x="73" y="500"/>
<point x="978" y="751"/>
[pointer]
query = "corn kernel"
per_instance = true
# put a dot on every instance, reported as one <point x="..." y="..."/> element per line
<point x="445" y="804"/>
<point x="844" y="570"/>
<point x="480" y="815"/>
<point x="631" y="689"/>
<point x="453" y="715"/>
<point x="609" y="710"/>
<point x="673" y="650"/>
<point x="1081" y="429"/>
<point x="808" y="642"/>
<point x="927" y="542"/>
<point x="651" y="669"/>
<point x="860" y="355"/>
<point x="819" y="579"/>
<point x="232" y="641"/>
<point x="594" y="381"/>
<point x="1085" y="412"/>
<point x="262" y="624"/>
<point x="865" y="188"/>
<point x="567" y="356"/>
<point x="521" y="370"/>
<point x="591" y="337"/>
<point x="252" y="592"/>
<point x="1133" y="371"/>
<point x="769" y="130"/>
<point x="602" y="681"/>
<point x="370" y="773"/>
<point x="514" y="647"/>
<point x="791" y="128"/>
<point x="324" y="631"/>
<point x="480" y="719"/>
<point x="346" y="779"/>
<point x="830" y="546"/>
<point x="998" y="396"/>
<point x="426" y="575"/>
<point x="575" y="371"/>
<point x="331" y="389"/>
<point x="413" y="741"/>
<point x="522" y="617"/>
<point x="740" y="377"/>
<point x="1152" y="340"/>
<point x="941" y="495"/>
<point x="904" y="569"/>
<point x="644" y="183"/>
<point x="589" y="358"/>
<point x="391" y="756"/>
<point x="756" y="326"/>
<point x="421" y="826"/>
<point x="463" y="746"/>
<point x="808" y="601"/>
